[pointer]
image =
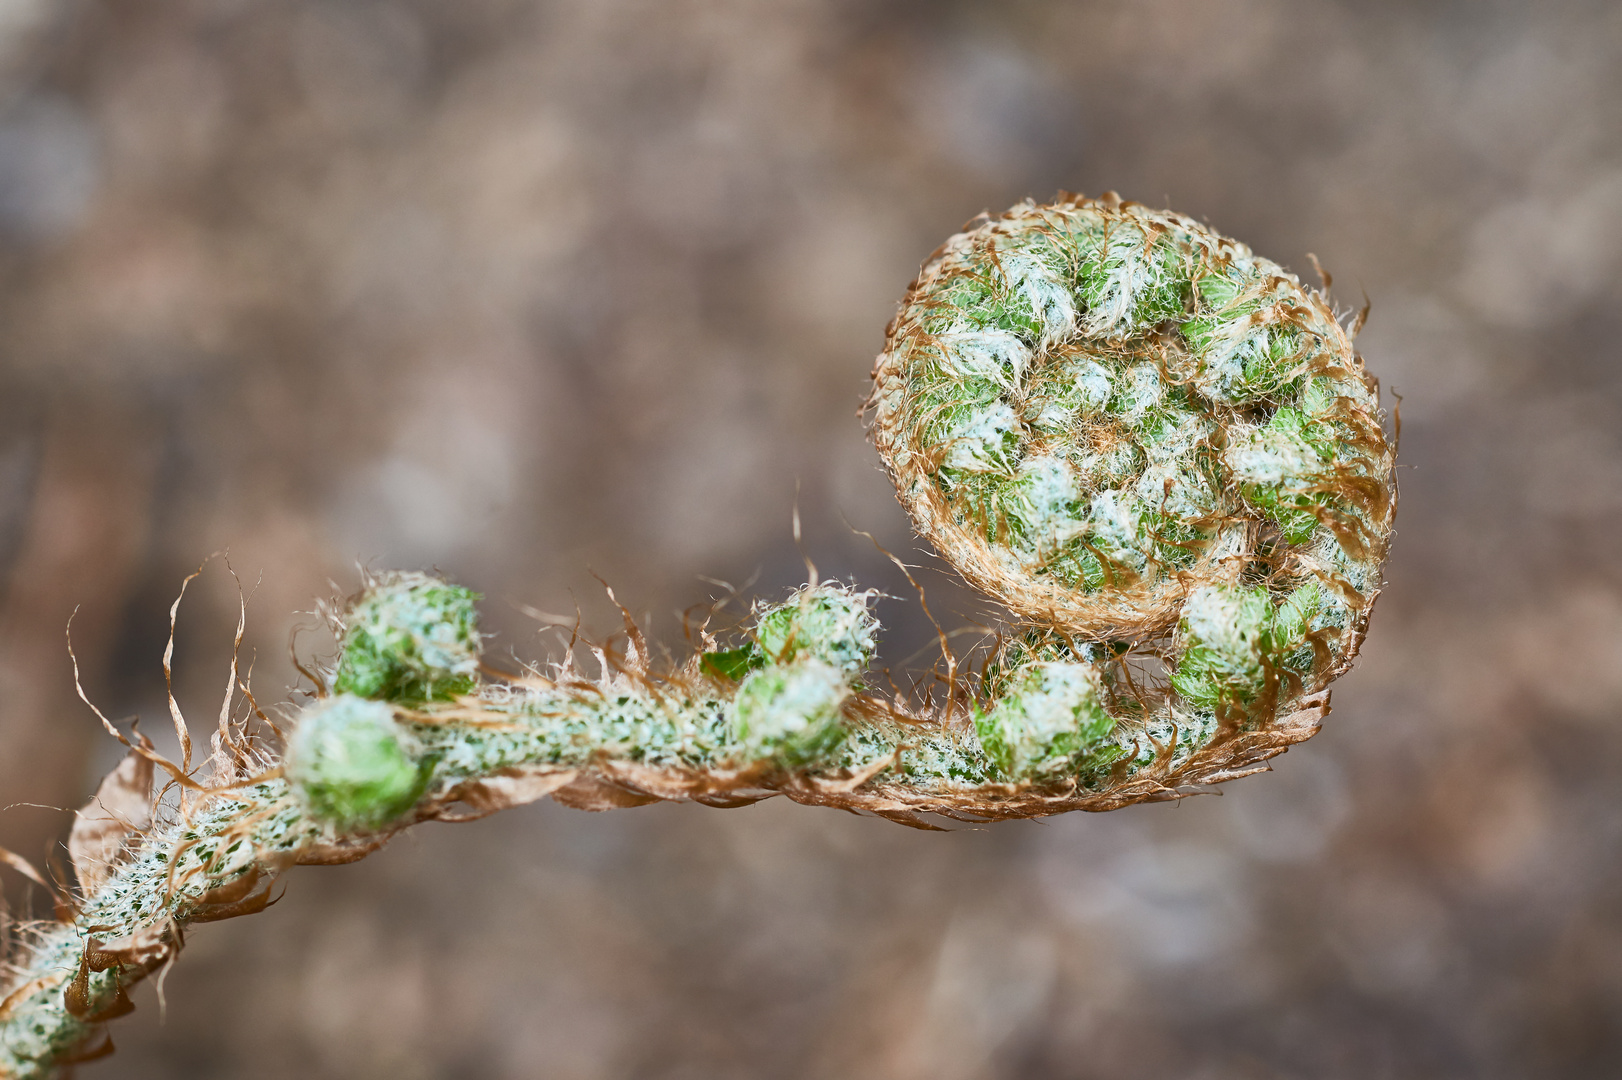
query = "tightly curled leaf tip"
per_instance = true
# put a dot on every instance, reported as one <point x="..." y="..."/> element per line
<point x="1156" y="448"/>
<point x="829" y="621"/>
<point x="409" y="637"/>
<point x="1134" y="432"/>
<point x="352" y="765"/>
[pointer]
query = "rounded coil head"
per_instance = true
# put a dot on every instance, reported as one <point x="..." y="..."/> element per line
<point x="410" y="637"/>
<point x="827" y="621"/>
<point x="1094" y="409"/>
<point x="353" y="766"/>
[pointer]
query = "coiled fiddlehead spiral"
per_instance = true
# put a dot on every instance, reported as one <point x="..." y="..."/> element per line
<point x="1158" y="450"/>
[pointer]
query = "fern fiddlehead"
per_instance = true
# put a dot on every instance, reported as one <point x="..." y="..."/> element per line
<point x="1159" y="451"/>
<point x="1155" y="448"/>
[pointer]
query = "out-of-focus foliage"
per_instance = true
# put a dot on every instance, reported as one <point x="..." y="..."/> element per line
<point x="524" y="291"/>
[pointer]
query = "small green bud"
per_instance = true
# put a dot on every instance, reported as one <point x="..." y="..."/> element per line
<point x="791" y="712"/>
<point x="1296" y="612"/>
<point x="1049" y="716"/>
<point x="1277" y="465"/>
<point x="1227" y="630"/>
<point x="733" y="664"/>
<point x="1234" y="635"/>
<point x="830" y="623"/>
<point x="353" y="765"/>
<point x="410" y="638"/>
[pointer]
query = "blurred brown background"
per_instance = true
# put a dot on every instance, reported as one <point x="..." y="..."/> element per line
<point x="526" y="289"/>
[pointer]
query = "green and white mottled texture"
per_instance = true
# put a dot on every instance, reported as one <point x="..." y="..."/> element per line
<point x="1159" y="450"/>
<point x="1155" y="447"/>
<point x="1090" y="407"/>
<point x="831" y="624"/>
<point x="790" y="712"/>
<point x="410" y="637"/>
<point x="161" y="887"/>
<point x="1049" y="717"/>
<point x="355" y="768"/>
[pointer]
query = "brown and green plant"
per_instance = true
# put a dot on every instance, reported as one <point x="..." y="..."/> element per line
<point x="1158" y="450"/>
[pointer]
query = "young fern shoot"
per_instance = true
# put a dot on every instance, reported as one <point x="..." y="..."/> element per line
<point x="1156" y="449"/>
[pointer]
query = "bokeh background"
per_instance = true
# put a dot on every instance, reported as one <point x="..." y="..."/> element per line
<point x="530" y="289"/>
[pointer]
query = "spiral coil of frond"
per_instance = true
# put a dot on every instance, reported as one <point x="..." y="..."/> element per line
<point x="1157" y="449"/>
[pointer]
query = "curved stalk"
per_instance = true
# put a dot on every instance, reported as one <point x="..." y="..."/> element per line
<point x="1157" y="449"/>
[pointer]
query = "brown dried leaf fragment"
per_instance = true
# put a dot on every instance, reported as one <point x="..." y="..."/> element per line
<point x="24" y="867"/>
<point x="76" y="998"/>
<point x="102" y="828"/>
<point x="588" y="792"/>
<point x="502" y="790"/>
